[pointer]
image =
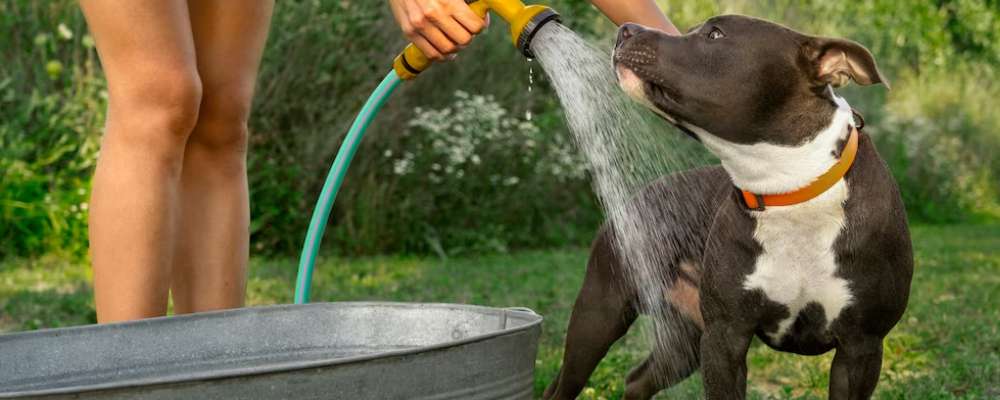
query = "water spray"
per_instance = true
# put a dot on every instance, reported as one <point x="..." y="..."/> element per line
<point x="525" y="21"/>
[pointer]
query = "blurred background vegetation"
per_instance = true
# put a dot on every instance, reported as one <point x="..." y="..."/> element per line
<point x="472" y="157"/>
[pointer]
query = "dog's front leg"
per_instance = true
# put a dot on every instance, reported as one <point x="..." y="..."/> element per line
<point x="855" y="369"/>
<point x="723" y="356"/>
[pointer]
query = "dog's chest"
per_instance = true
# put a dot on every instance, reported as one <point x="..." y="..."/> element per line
<point x="797" y="266"/>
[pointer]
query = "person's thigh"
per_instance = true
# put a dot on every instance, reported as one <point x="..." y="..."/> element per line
<point x="229" y="39"/>
<point x="147" y="53"/>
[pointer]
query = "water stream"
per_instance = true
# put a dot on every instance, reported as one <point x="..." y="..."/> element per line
<point x="627" y="148"/>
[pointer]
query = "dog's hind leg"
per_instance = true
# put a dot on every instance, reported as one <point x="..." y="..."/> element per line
<point x="602" y="314"/>
<point x="675" y="356"/>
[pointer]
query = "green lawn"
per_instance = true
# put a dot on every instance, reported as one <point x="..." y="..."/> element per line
<point x="946" y="346"/>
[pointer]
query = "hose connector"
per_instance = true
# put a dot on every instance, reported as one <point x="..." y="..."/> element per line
<point x="525" y="21"/>
<point x="524" y="27"/>
<point x="410" y="63"/>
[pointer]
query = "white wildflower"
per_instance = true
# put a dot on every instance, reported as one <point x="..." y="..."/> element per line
<point x="64" y="32"/>
<point x="402" y="166"/>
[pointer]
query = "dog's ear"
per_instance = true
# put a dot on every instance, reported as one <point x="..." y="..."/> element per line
<point x="837" y="61"/>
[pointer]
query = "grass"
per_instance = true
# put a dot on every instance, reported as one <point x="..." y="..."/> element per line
<point x="946" y="346"/>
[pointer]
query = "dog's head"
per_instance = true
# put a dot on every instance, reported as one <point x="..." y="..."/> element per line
<point x="741" y="79"/>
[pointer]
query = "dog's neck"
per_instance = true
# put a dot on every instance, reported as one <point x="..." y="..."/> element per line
<point x="766" y="168"/>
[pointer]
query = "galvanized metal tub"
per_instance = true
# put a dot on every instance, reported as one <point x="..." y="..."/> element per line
<point x="313" y="351"/>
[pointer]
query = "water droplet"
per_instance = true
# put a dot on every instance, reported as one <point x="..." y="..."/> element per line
<point x="531" y="74"/>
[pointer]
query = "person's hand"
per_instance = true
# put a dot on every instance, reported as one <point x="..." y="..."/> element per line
<point x="439" y="28"/>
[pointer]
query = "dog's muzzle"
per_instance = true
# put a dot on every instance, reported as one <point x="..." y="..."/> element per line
<point x="626" y="32"/>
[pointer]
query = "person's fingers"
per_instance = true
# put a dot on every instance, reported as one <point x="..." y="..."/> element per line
<point x="455" y="32"/>
<point x="439" y="28"/>
<point x="427" y="48"/>
<point x="467" y="18"/>
<point x="434" y="43"/>
<point x="399" y="12"/>
<point x="439" y="40"/>
<point x="402" y="14"/>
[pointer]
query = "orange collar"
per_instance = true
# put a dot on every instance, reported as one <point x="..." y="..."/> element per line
<point x="758" y="202"/>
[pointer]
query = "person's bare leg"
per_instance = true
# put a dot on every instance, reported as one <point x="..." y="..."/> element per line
<point x="213" y="242"/>
<point x="148" y="57"/>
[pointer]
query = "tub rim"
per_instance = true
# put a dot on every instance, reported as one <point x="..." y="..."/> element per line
<point x="532" y="321"/>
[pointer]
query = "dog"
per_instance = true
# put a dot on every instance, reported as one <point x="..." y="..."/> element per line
<point x="799" y="238"/>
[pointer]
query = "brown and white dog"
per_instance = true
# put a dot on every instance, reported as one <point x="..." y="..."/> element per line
<point x="799" y="238"/>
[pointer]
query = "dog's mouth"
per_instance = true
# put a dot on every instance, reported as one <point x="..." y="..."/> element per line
<point x="646" y="88"/>
<point x="649" y="90"/>
<point x="662" y="95"/>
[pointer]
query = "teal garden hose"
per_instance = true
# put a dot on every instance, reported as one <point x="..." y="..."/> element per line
<point x="524" y="21"/>
<point x="334" y="179"/>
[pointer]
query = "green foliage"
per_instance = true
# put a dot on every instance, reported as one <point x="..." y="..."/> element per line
<point x="52" y="102"/>
<point x="940" y="136"/>
<point x="472" y="177"/>
<point x="938" y="127"/>
<point x="322" y="61"/>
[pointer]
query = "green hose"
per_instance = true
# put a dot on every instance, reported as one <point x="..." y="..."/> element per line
<point x="314" y="236"/>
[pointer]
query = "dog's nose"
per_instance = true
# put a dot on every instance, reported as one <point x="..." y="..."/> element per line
<point x="627" y="31"/>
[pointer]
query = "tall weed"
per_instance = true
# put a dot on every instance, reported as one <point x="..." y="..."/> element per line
<point x="52" y="101"/>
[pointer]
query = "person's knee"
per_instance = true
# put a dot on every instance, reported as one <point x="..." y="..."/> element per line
<point x="222" y="122"/>
<point x="157" y="111"/>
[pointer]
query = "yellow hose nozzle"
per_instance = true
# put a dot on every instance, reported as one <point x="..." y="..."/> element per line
<point x="524" y="22"/>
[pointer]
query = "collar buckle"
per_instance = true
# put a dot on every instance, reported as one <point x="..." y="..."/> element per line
<point x="760" y="202"/>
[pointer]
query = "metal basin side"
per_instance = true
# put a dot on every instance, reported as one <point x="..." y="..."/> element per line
<point x="323" y="350"/>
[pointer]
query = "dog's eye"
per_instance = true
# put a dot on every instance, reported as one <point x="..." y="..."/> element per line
<point x="716" y="34"/>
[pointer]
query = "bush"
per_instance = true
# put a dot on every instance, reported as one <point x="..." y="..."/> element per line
<point x="940" y="137"/>
<point x="52" y="102"/>
<point x="470" y="176"/>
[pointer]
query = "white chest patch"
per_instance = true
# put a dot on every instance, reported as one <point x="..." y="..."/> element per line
<point x="798" y="264"/>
